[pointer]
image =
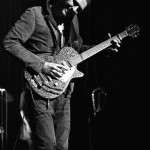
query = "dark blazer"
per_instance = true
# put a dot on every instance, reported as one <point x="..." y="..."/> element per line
<point x="36" y="32"/>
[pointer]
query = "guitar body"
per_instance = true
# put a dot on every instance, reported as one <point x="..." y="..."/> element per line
<point x="47" y="86"/>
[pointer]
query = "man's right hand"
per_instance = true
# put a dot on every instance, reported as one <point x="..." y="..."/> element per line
<point x="55" y="70"/>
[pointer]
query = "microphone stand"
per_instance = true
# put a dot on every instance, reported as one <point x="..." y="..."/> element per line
<point x="100" y="92"/>
<point x="97" y="103"/>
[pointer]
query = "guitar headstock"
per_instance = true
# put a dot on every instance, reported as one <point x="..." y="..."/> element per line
<point x="133" y="30"/>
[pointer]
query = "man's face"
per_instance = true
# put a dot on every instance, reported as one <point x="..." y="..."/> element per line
<point x="71" y="7"/>
<point x="64" y="9"/>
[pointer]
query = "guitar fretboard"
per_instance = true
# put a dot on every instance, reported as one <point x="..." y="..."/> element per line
<point x="94" y="50"/>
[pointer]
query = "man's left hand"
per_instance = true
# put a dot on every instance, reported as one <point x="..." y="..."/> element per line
<point x="115" y="43"/>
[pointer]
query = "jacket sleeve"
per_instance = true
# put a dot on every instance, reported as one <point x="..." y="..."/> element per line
<point x="18" y="35"/>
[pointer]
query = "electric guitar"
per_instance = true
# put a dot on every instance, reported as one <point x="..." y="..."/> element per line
<point x="50" y="87"/>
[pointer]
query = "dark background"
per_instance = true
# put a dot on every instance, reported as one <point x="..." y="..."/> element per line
<point x="122" y="124"/>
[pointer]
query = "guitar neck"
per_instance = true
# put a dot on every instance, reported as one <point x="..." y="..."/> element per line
<point x="96" y="49"/>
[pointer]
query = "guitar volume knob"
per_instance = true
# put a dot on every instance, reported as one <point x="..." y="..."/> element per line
<point x="56" y="84"/>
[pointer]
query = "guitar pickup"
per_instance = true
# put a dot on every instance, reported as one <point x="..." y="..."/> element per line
<point x="66" y="63"/>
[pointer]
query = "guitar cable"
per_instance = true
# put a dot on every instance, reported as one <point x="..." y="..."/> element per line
<point x="48" y="102"/>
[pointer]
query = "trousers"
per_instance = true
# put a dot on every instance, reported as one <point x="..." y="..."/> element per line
<point x="49" y="121"/>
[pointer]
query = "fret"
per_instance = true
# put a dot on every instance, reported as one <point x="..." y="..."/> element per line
<point x="76" y="60"/>
<point x="94" y="50"/>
